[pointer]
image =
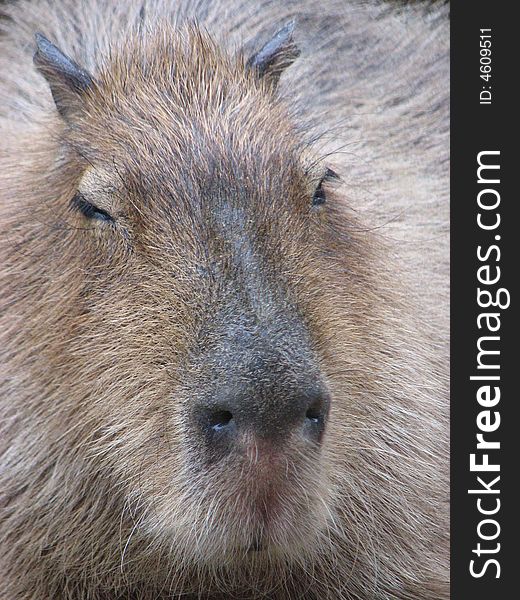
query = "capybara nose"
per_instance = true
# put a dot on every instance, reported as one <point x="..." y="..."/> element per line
<point x="293" y="410"/>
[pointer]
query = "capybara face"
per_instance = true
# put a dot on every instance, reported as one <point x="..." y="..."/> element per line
<point x="214" y="383"/>
<point x="202" y="235"/>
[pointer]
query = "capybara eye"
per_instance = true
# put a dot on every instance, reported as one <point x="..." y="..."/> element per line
<point x="319" y="194"/>
<point x="89" y="210"/>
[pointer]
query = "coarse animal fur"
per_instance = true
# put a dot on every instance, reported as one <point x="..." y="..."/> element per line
<point x="112" y="331"/>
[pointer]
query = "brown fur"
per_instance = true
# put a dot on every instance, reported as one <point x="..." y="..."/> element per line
<point x="109" y="333"/>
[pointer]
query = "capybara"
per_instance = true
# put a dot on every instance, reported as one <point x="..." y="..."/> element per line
<point x="223" y="300"/>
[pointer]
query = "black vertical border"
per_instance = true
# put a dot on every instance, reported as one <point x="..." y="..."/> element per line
<point x="474" y="128"/>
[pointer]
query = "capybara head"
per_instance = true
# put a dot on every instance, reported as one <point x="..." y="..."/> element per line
<point x="197" y="242"/>
<point x="209" y="374"/>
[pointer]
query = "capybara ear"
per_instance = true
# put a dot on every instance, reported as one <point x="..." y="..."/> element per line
<point x="67" y="80"/>
<point x="276" y="55"/>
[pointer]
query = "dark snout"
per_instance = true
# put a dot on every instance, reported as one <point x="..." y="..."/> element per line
<point x="301" y="410"/>
<point x="264" y="392"/>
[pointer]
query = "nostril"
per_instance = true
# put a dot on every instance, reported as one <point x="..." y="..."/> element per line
<point x="220" y="419"/>
<point x="314" y="414"/>
<point x="316" y="410"/>
<point x="316" y="417"/>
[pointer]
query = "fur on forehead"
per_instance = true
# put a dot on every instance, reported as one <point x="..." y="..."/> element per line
<point x="177" y="92"/>
<point x="180" y="71"/>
